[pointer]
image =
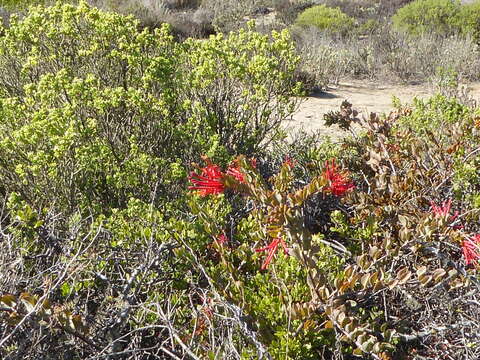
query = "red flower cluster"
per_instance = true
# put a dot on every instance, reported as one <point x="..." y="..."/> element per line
<point x="338" y="183"/>
<point x="444" y="209"/>
<point x="272" y="249"/>
<point x="210" y="181"/>
<point x="471" y="250"/>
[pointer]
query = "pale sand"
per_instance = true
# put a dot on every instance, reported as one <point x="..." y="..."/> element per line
<point x="364" y="97"/>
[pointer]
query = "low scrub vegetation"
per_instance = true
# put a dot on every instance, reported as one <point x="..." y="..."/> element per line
<point x="369" y="38"/>
<point x="422" y="16"/>
<point x="152" y="208"/>
<point x="331" y="20"/>
<point x="470" y="19"/>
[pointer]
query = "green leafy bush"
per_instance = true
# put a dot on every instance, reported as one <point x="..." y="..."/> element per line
<point x="244" y="105"/>
<point x="332" y="20"/>
<point x="87" y="106"/>
<point x="95" y="111"/>
<point x="427" y="16"/>
<point x="20" y="4"/>
<point x="469" y="20"/>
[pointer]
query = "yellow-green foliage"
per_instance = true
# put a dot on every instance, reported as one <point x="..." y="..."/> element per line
<point x="332" y="20"/>
<point x="421" y="16"/>
<point x="95" y="111"/>
<point x="469" y="19"/>
<point x="20" y="4"/>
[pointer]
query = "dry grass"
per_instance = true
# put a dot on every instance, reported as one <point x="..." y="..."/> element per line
<point x="387" y="56"/>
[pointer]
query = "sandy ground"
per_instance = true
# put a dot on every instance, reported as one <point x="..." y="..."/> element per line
<point x="365" y="98"/>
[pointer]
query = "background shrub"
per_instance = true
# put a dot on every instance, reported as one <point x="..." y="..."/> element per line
<point x="428" y="16"/>
<point x="418" y="59"/>
<point x="469" y="20"/>
<point x="325" y="59"/>
<point x="331" y="20"/>
<point x="228" y="15"/>
<point x="387" y="55"/>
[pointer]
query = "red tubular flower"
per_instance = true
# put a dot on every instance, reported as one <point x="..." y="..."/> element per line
<point x="209" y="182"/>
<point x="289" y="162"/>
<point x="272" y="249"/>
<point x="338" y="183"/>
<point x="235" y="172"/>
<point x="471" y="250"/>
<point x="444" y="211"/>
<point x="222" y="239"/>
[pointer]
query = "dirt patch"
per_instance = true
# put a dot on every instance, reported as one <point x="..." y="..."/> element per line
<point x="365" y="98"/>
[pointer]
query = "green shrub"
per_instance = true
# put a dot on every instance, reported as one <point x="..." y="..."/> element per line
<point x="332" y="20"/>
<point x="422" y="16"/>
<point x="88" y="107"/>
<point x="21" y="4"/>
<point x="244" y="83"/>
<point x="94" y="111"/>
<point x="469" y="19"/>
<point x="436" y="112"/>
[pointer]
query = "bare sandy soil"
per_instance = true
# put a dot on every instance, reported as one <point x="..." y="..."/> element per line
<point x="365" y="98"/>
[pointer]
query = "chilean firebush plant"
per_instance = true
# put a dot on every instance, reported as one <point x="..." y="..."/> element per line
<point x="132" y="228"/>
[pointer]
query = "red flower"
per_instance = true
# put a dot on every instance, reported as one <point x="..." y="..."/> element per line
<point x="471" y="250"/>
<point x="209" y="182"/>
<point x="212" y="179"/>
<point x="289" y="162"/>
<point x="235" y="172"/>
<point x="272" y="249"/>
<point x="338" y="183"/>
<point x="444" y="211"/>
<point x="222" y="239"/>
